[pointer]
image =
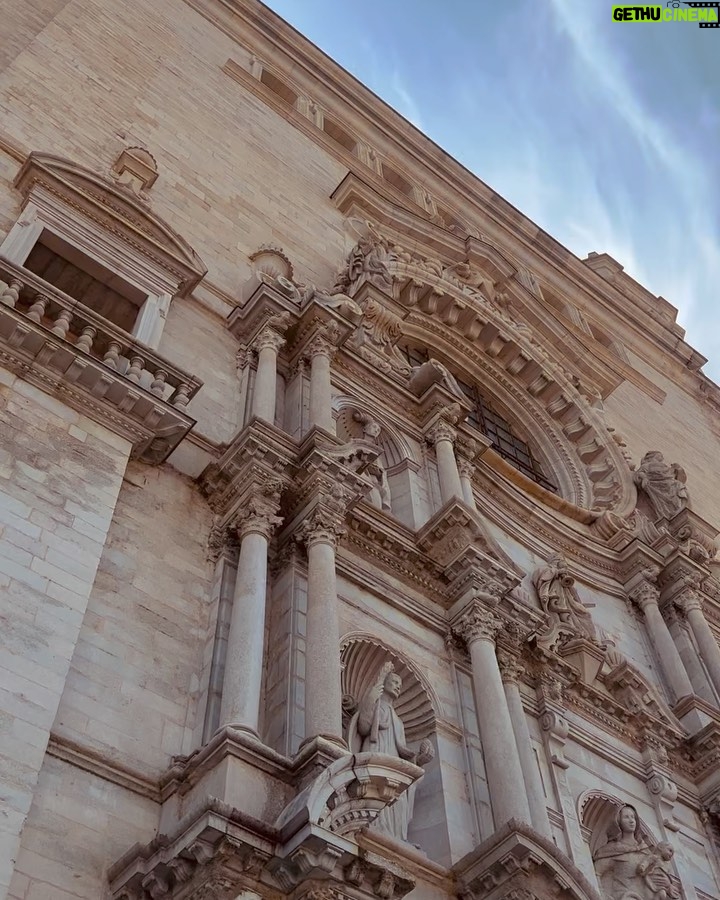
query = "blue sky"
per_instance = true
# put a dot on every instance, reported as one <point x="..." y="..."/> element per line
<point x="605" y="134"/>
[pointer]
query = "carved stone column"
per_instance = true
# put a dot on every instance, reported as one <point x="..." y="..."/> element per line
<point x="242" y="681"/>
<point x="510" y="671"/>
<point x="323" y="695"/>
<point x="691" y="603"/>
<point x="321" y="350"/>
<point x="479" y="627"/>
<point x="646" y="595"/>
<point x="267" y="345"/>
<point x="442" y="435"/>
<point x="466" y="452"/>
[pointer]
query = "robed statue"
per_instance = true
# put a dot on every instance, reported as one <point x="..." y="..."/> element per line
<point x="377" y="728"/>
<point x="663" y="484"/>
<point x="565" y="612"/>
<point x="629" y="868"/>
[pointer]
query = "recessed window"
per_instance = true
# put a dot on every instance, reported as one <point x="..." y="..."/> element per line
<point x="86" y="280"/>
<point x="505" y="440"/>
<point x="396" y="180"/>
<point x="277" y="86"/>
<point x="339" y="135"/>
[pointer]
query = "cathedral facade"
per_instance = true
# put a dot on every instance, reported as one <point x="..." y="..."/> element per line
<point x="357" y="540"/>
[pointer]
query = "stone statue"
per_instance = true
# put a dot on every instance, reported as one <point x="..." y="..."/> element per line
<point x="556" y="592"/>
<point x="368" y="257"/>
<point x="377" y="728"/>
<point x="628" y="868"/>
<point x="663" y="484"/>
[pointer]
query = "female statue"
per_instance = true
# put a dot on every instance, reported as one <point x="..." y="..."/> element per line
<point x="628" y="867"/>
<point x="663" y="484"/>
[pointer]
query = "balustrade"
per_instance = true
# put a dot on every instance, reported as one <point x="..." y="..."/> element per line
<point x="69" y="320"/>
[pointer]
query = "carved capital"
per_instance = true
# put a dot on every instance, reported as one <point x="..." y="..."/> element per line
<point x="441" y="431"/>
<point x="477" y="623"/>
<point x="645" y="595"/>
<point x="690" y="600"/>
<point x="511" y="669"/>
<point x="268" y="338"/>
<point x="325" y="523"/>
<point x="324" y="341"/>
<point x="259" y="512"/>
<point x="466" y="468"/>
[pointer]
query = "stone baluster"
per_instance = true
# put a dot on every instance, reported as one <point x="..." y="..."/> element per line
<point x="181" y="397"/>
<point x="37" y="310"/>
<point x="478" y="626"/>
<point x="134" y="372"/>
<point x="510" y="671"/>
<point x="321" y="350"/>
<point x="10" y="292"/>
<point x="646" y="595"/>
<point x="61" y="325"/>
<point x="442" y="435"/>
<point x="158" y="384"/>
<point x="267" y="345"/>
<point x="691" y="603"/>
<point x="85" y="341"/>
<point x="321" y="532"/>
<point x="112" y="355"/>
<point x="242" y="682"/>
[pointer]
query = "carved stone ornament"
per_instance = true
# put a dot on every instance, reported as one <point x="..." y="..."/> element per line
<point x="271" y="262"/>
<point x="326" y="521"/>
<point x="662" y="484"/>
<point x="377" y="728"/>
<point x="367" y="258"/>
<point x="136" y="169"/>
<point x="478" y="623"/>
<point x="376" y="336"/>
<point x="349" y="794"/>
<point x="566" y="615"/>
<point x="258" y="514"/>
<point x="628" y="866"/>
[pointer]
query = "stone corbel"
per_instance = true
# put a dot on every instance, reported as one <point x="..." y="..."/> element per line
<point x="553" y="724"/>
<point x="659" y="783"/>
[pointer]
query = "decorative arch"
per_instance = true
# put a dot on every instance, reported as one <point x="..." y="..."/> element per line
<point x="395" y="448"/>
<point x="596" y="812"/>
<point x="363" y="657"/>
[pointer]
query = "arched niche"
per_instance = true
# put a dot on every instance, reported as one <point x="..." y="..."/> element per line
<point x="397" y="490"/>
<point x="363" y="657"/>
<point x="597" y="811"/>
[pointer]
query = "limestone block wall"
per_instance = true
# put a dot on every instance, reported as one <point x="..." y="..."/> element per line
<point x="60" y="475"/>
<point x="134" y="687"/>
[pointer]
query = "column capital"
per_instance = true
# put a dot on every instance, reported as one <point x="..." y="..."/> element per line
<point x="441" y="431"/>
<point x="690" y="600"/>
<point x="325" y="523"/>
<point x="268" y="337"/>
<point x="324" y="341"/>
<point x="645" y="592"/>
<point x="511" y="669"/>
<point x="478" y="623"/>
<point x="258" y="514"/>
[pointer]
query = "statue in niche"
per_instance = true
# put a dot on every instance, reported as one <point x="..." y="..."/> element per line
<point x="566" y="613"/>
<point x="372" y="431"/>
<point x="663" y="484"/>
<point x="628" y="868"/>
<point x="377" y="728"/>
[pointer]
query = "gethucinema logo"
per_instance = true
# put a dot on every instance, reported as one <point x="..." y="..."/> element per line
<point x="706" y="15"/>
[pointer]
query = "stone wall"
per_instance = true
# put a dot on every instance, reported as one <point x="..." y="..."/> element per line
<point x="60" y="475"/>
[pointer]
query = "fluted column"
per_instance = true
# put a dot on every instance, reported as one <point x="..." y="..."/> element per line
<point x="321" y="350"/>
<point x="510" y="672"/>
<point x="267" y="345"/>
<point x="646" y="596"/>
<point x="479" y="626"/>
<point x="242" y="681"/>
<point x="691" y="602"/>
<point x="441" y="436"/>
<point x="323" y="694"/>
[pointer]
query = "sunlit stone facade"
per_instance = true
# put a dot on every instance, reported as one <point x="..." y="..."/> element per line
<point x="357" y="540"/>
